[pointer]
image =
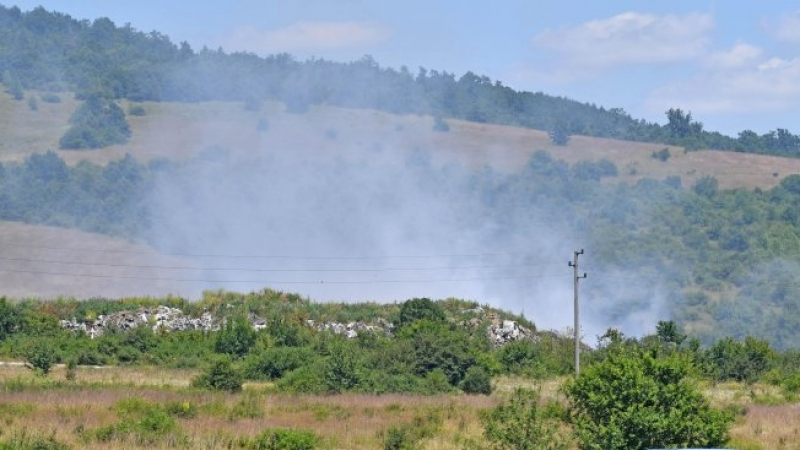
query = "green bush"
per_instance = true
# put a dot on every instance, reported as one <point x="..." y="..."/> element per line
<point x="305" y="380"/>
<point x="283" y="439"/>
<point x="221" y="375"/>
<point x="41" y="355"/>
<point x="522" y="423"/>
<point x="419" y="309"/>
<point x="273" y="363"/>
<point x="477" y="381"/>
<point x="635" y="400"/>
<point x="25" y="441"/>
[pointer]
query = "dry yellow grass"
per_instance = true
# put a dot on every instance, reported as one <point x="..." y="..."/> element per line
<point x="179" y="130"/>
<point x="352" y="421"/>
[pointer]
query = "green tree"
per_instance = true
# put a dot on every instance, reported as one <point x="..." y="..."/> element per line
<point x="522" y="423"/>
<point x="559" y="135"/>
<point x="98" y="122"/>
<point x="744" y="361"/>
<point x="633" y="400"/>
<point x="236" y="338"/>
<point x="10" y="318"/>
<point x="41" y="355"/>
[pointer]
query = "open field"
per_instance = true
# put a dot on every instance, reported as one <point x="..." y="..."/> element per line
<point x="73" y="411"/>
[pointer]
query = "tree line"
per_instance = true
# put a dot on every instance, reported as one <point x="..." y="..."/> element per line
<point x="52" y="51"/>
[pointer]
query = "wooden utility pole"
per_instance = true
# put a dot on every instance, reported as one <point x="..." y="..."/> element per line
<point x="576" y="278"/>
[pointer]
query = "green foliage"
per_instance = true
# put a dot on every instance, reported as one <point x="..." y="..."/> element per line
<point x="635" y="400"/>
<point x="221" y="375"/>
<point x="744" y="361"/>
<point x="304" y="380"/>
<point x="13" y="85"/>
<point x="477" y="380"/>
<point x="341" y="368"/>
<point x="273" y="363"/>
<point x="559" y="134"/>
<point x="283" y="439"/>
<point x="41" y="355"/>
<point x="419" y="309"/>
<point x="523" y="423"/>
<point x="10" y="318"/>
<point x="662" y="155"/>
<point x="140" y="422"/>
<point x="440" y="346"/>
<point x="236" y="338"/>
<point x="98" y="122"/>
<point x="25" y="441"/>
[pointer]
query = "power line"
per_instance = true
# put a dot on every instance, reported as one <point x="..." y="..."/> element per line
<point x="249" y="269"/>
<point x="321" y="281"/>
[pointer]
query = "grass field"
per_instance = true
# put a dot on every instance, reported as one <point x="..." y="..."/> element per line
<point x="73" y="411"/>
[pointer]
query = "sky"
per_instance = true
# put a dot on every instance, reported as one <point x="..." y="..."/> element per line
<point x="734" y="65"/>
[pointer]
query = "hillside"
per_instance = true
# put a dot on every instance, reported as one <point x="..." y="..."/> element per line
<point x="181" y="130"/>
<point x="361" y="182"/>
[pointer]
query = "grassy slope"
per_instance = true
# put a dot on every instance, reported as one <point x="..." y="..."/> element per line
<point x="179" y="130"/>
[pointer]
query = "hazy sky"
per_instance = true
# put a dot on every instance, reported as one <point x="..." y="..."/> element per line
<point x="733" y="64"/>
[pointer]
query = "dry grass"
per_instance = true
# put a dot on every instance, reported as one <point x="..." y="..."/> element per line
<point x="180" y="130"/>
<point x="355" y="421"/>
<point x="70" y="411"/>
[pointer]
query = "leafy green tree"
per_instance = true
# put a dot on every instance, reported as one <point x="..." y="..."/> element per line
<point x="744" y="361"/>
<point x="98" y="122"/>
<point x="522" y="423"/>
<point x="41" y="355"/>
<point x="341" y="371"/>
<point x="236" y="338"/>
<point x="634" y="400"/>
<point x="559" y="135"/>
<point x="10" y="319"/>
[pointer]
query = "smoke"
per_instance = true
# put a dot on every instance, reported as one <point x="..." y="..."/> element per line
<point x="381" y="223"/>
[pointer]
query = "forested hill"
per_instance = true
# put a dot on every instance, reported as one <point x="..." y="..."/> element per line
<point x="52" y="51"/>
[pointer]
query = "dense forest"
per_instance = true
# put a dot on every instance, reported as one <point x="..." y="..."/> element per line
<point x="53" y="51"/>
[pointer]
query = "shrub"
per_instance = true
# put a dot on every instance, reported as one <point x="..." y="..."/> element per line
<point x="236" y="338"/>
<point x="50" y="98"/>
<point x="24" y="441"/>
<point x="662" y="155"/>
<point x="273" y="363"/>
<point x="305" y="380"/>
<point x="522" y="423"/>
<point x="283" y="439"/>
<point x="419" y="309"/>
<point x="477" y="381"/>
<point x="136" y="110"/>
<point x="635" y="400"/>
<point x="220" y="376"/>
<point x="41" y="356"/>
